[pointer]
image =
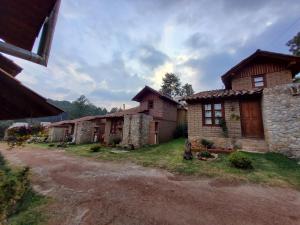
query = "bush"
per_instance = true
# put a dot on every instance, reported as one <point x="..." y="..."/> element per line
<point x="51" y="145"/>
<point x="205" y="154"/>
<point x="181" y="131"/>
<point x="14" y="187"/>
<point x="62" y="145"/>
<point x="238" y="160"/>
<point x="95" y="148"/>
<point x="206" y="143"/>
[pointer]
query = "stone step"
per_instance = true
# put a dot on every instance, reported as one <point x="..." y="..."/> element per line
<point x="254" y="145"/>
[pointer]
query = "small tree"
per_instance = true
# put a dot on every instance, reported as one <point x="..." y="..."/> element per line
<point x="187" y="90"/>
<point x="294" y="45"/>
<point x="171" y="85"/>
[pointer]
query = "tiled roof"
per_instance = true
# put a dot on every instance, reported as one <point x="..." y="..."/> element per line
<point x="223" y="93"/>
<point x="139" y="96"/>
<point x="124" y="112"/>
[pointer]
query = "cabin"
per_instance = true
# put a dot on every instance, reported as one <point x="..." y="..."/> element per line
<point x="154" y="121"/>
<point x="258" y="110"/>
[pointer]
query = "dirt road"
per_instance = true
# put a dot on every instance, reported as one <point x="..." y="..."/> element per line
<point x="94" y="193"/>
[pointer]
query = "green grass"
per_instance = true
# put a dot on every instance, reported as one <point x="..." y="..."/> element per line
<point x="270" y="168"/>
<point x="30" y="212"/>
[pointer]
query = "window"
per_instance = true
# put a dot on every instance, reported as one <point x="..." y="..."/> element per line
<point x="212" y="114"/>
<point x="150" y="104"/>
<point x="258" y="81"/>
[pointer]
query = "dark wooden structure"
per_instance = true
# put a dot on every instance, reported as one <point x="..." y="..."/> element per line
<point x="21" y="22"/>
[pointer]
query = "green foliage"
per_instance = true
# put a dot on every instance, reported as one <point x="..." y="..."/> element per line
<point x="79" y="108"/>
<point x="270" y="168"/>
<point x="187" y="90"/>
<point x="95" y="148"/>
<point x="238" y="160"/>
<point x="181" y="131"/>
<point x="17" y="136"/>
<point x="294" y="45"/>
<point x="51" y="145"/>
<point x="14" y="190"/>
<point x="207" y="143"/>
<point x="62" y="145"/>
<point x="205" y="154"/>
<point x="171" y="85"/>
<point x="224" y="127"/>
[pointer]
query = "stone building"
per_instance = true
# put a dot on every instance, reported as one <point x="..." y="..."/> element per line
<point x="258" y="109"/>
<point x="152" y="122"/>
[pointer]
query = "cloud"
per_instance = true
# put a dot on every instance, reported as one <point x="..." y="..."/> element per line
<point x="108" y="50"/>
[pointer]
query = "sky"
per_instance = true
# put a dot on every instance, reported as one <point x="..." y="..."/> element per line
<point x="109" y="50"/>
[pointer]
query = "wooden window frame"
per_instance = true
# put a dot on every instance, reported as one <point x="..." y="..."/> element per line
<point x="264" y="80"/>
<point x="150" y="104"/>
<point x="213" y="117"/>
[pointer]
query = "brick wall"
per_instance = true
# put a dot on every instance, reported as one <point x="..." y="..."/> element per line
<point x="197" y="131"/>
<point x="166" y="130"/>
<point x="272" y="79"/>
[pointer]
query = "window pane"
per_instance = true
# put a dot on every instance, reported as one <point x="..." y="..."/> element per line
<point x="218" y="113"/>
<point x="258" y="79"/>
<point x="208" y="107"/>
<point x="218" y="121"/>
<point x="207" y="113"/>
<point x="218" y="106"/>
<point x="259" y="84"/>
<point x="208" y="121"/>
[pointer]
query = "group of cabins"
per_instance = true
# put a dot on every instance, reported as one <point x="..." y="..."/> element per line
<point x="153" y="121"/>
<point x="259" y="109"/>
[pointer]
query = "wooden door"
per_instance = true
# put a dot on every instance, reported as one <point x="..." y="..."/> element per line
<point x="251" y="119"/>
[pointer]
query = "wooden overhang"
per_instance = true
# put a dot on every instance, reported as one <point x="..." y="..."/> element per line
<point x="290" y="62"/>
<point x="18" y="101"/>
<point x="21" y="22"/>
<point x="139" y="96"/>
<point x="9" y="66"/>
<point x="223" y="94"/>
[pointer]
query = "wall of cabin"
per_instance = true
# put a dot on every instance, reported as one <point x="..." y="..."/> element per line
<point x="275" y="74"/>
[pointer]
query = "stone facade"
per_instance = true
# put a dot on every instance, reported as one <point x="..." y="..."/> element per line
<point x="57" y="134"/>
<point x="136" y="130"/>
<point x="84" y="132"/>
<point x="281" y="116"/>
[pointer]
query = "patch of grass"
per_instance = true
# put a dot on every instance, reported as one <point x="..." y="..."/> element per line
<point x="30" y="212"/>
<point x="269" y="168"/>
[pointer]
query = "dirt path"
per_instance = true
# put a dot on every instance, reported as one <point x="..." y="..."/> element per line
<point x="94" y="193"/>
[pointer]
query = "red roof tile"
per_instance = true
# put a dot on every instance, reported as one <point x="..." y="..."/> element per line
<point x="222" y="93"/>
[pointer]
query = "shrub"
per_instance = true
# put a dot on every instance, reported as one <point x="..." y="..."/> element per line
<point x="238" y="160"/>
<point x="181" y="131"/>
<point x="207" y="143"/>
<point x="62" y="145"/>
<point x="95" y="148"/>
<point x="14" y="187"/>
<point x="205" y="154"/>
<point x="51" y="145"/>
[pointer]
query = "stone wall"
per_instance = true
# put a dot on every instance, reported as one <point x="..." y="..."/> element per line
<point x="57" y="134"/>
<point x="84" y="132"/>
<point x="136" y="130"/>
<point x="281" y="116"/>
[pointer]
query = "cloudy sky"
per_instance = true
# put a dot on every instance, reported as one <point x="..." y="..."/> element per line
<point x="108" y="50"/>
